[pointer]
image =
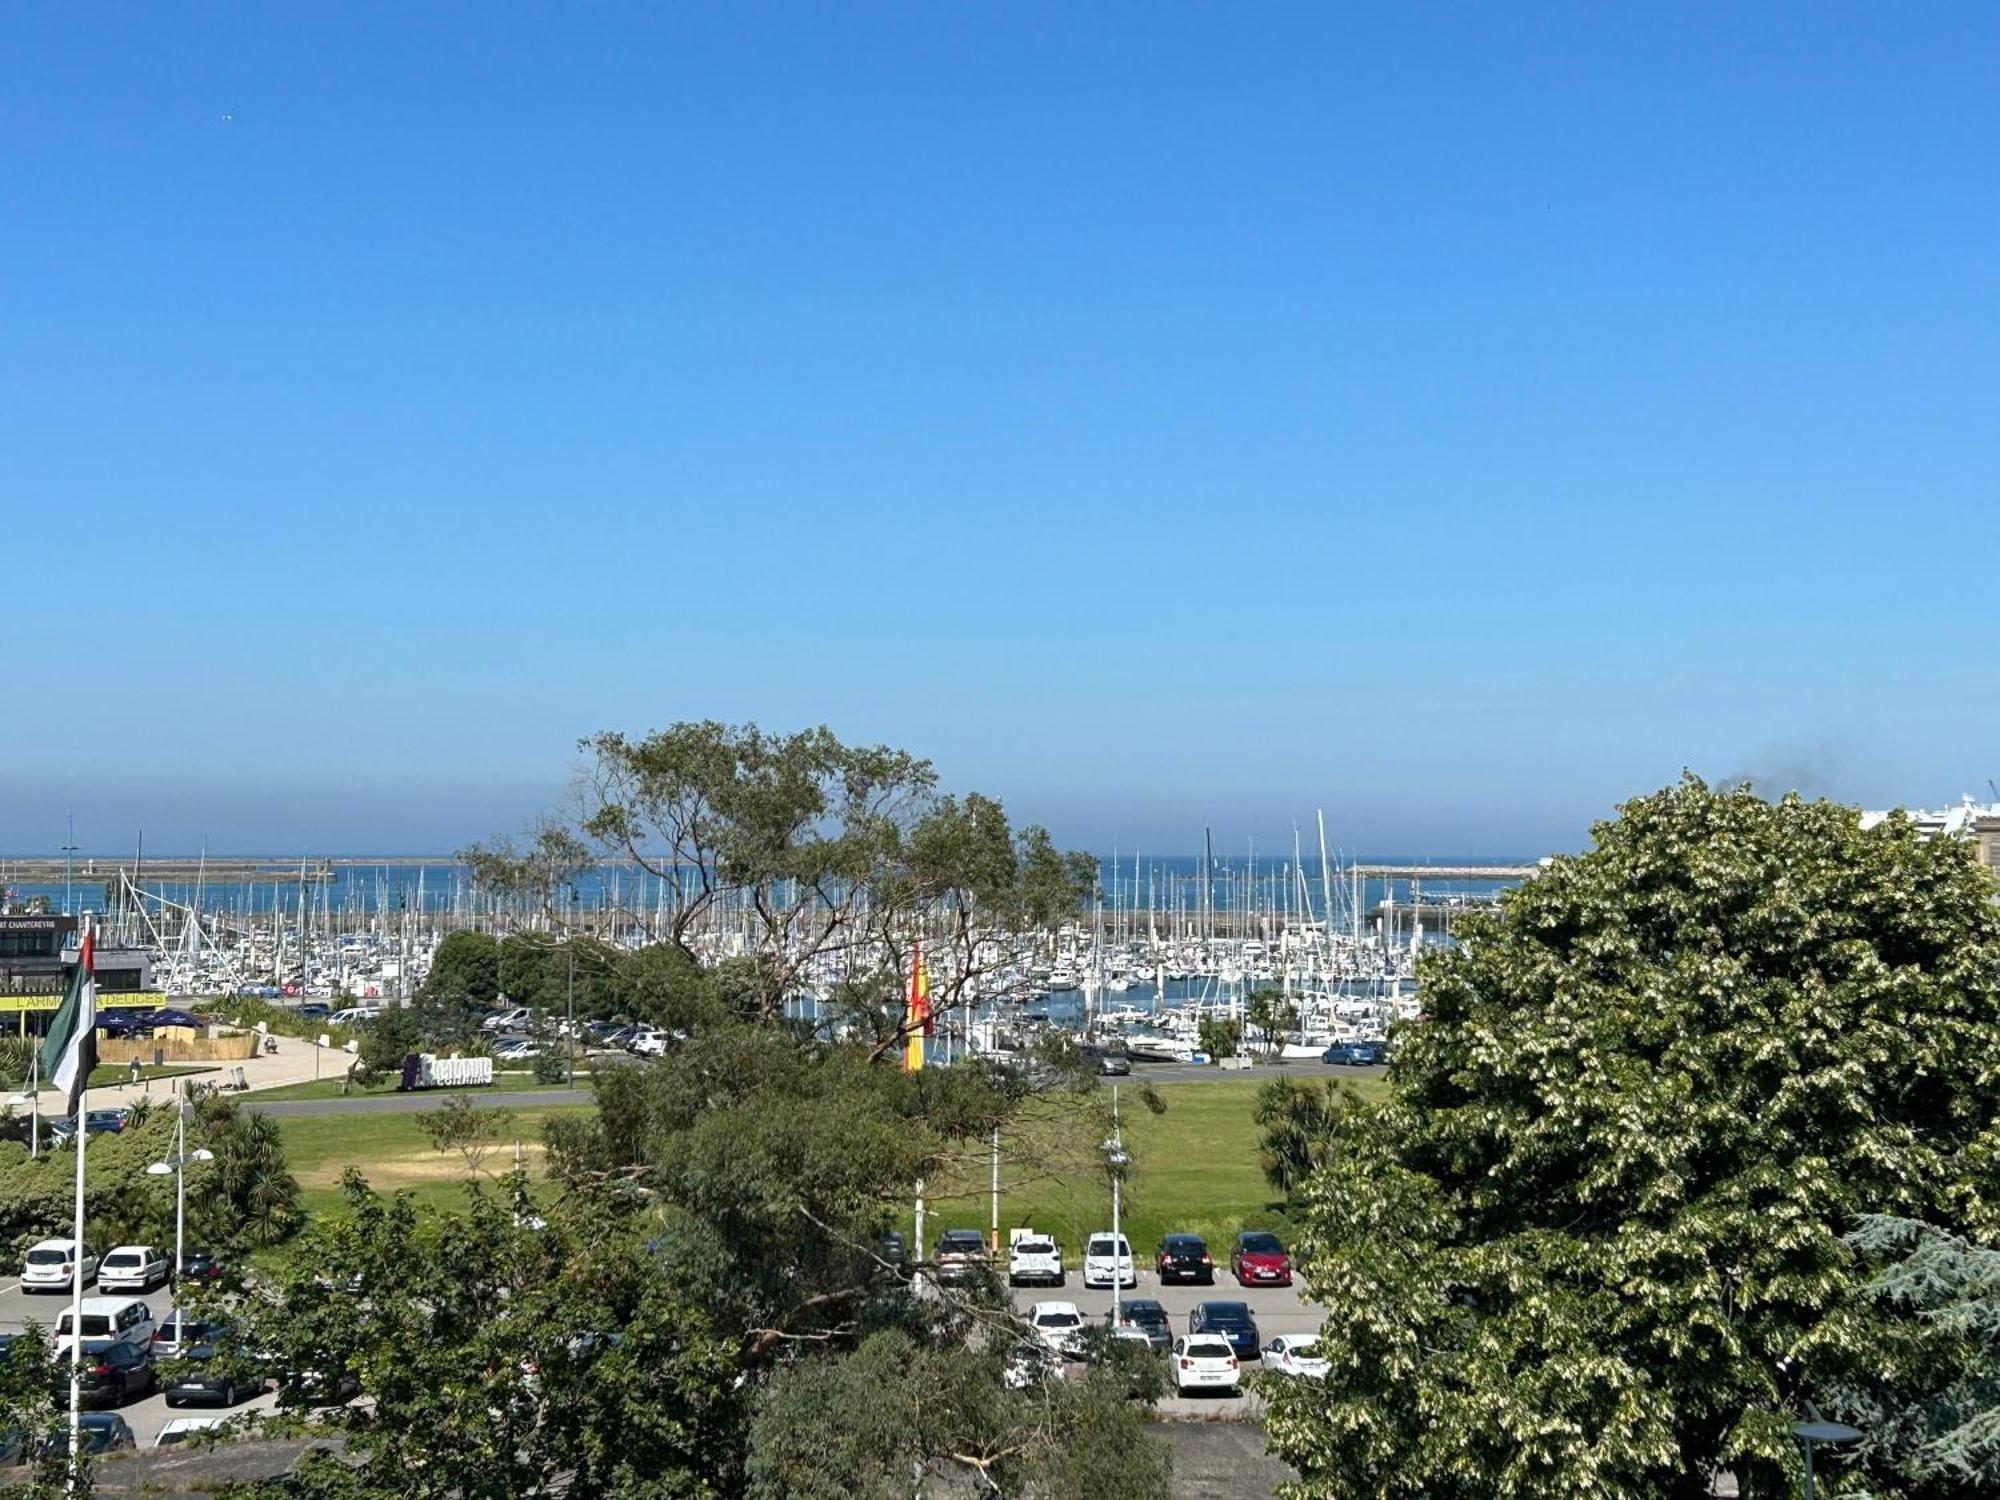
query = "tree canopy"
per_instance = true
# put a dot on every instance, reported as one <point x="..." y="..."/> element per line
<point x="1592" y="1241"/>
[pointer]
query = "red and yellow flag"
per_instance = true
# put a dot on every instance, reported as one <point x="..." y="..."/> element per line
<point x="917" y="1019"/>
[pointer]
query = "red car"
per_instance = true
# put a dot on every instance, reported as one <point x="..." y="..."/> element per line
<point x="1259" y="1260"/>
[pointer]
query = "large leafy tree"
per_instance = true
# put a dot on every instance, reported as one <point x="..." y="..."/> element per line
<point x="826" y="853"/>
<point x="1592" y="1242"/>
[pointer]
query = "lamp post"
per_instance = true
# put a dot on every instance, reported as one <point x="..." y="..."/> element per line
<point x="569" y="1032"/>
<point x="68" y="853"/>
<point x="1116" y="1159"/>
<point x="177" y="1165"/>
<point x="1833" y="1433"/>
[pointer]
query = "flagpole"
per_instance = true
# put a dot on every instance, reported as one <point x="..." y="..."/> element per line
<point x="35" y="1102"/>
<point x="76" y="1251"/>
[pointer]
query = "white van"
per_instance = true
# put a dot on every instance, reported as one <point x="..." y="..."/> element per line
<point x="110" y="1319"/>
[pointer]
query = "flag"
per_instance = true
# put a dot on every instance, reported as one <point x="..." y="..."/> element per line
<point x="917" y="1020"/>
<point x="71" y="1049"/>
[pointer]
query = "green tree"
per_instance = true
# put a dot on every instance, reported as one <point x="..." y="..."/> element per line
<point x="1273" y="1013"/>
<point x="460" y="1125"/>
<point x="1219" y="1039"/>
<point x="1591" y="1243"/>
<point x="828" y="851"/>
<point x="465" y="967"/>
<point x="1929" y="1402"/>
<point x="1296" y="1121"/>
<point x="504" y="1350"/>
<point x="34" y="1425"/>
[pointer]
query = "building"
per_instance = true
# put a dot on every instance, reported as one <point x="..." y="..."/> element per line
<point x="36" y="950"/>
<point x="1977" y="823"/>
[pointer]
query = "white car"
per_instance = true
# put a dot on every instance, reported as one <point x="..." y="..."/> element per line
<point x="1295" y="1354"/>
<point x="132" y="1268"/>
<point x="1035" y="1259"/>
<point x="1202" y="1362"/>
<point x="1059" y="1325"/>
<point x="51" y="1267"/>
<point x="179" y="1429"/>
<point x="649" y="1043"/>
<point x="1108" y="1257"/>
<point x="508" y="1020"/>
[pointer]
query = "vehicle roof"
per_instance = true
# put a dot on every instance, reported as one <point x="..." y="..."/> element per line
<point x="132" y="1250"/>
<point x="110" y="1304"/>
<point x="61" y="1244"/>
<point x="1143" y="1304"/>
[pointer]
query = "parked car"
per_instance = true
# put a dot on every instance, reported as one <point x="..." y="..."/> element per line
<point x="1295" y="1354"/>
<point x="1260" y="1260"/>
<point x="960" y="1255"/>
<point x="179" y="1429"/>
<point x="1231" y="1320"/>
<point x="51" y="1266"/>
<point x="199" y="1268"/>
<point x="1114" y="1065"/>
<point x="515" y="1049"/>
<point x="314" y="1010"/>
<point x="650" y="1043"/>
<point x="126" y="1319"/>
<point x="194" y="1380"/>
<point x="508" y="1020"/>
<point x="1059" y="1325"/>
<point x="132" y="1268"/>
<point x="1184" y="1258"/>
<point x="105" y="1432"/>
<point x="1203" y="1362"/>
<point x="1035" y="1258"/>
<point x="894" y="1254"/>
<point x="1145" y="1316"/>
<point x="1029" y="1363"/>
<point x="1354" y="1054"/>
<point x="107" y="1121"/>
<point x="112" y="1374"/>
<point x="1107" y="1258"/>
<point x="177" y="1332"/>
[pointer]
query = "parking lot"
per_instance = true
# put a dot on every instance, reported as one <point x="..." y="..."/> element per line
<point x="1276" y="1309"/>
<point x="146" y="1417"/>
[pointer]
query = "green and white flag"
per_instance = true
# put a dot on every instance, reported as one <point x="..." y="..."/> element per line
<point x="71" y="1049"/>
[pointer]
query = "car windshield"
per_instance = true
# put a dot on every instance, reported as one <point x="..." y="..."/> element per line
<point x="1209" y="1349"/>
<point x="1262" y="1244"/>
<point x="95" y="1325"/>
<point x="124" y="1258"/>
<point x="1059" y="1320"/>
<point x="1146" y="1315"/>
<point x="1184" y="1244"/>
<point x="48" y="1257"/>
<point x="1104" y="1245"/>
<point x="1302" y="1348"/>
<point x="1035" y="1247"/>
<point x="963" y="1239"/>
<point x="1226" y="1312"/>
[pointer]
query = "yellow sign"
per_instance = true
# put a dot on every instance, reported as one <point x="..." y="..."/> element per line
<point x="142" y="999"/>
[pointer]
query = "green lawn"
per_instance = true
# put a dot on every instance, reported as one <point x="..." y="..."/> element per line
<point x="109" y="1075"/>
<point x="1194" y="1170"/>
<point x="392" y="1152"/>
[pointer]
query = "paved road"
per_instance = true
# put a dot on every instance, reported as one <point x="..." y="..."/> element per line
<point x="371" y="1104"/>
<point x="146" y="1417"/>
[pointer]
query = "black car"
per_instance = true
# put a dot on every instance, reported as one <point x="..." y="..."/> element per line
<point x="192" y="1377"/>
<point x="1233" y="1321"/>
<point x="1184" y="1258"/>
<point x="113" y="1373"/>
<point x="315" y="1010"/>
<point x="199" y="1268"/>
<point x="895" y="1255"/>
<point x="105" y="1432"/>
<point x="1149" y="1317"/>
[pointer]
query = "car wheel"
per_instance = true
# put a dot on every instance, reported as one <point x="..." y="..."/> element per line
<point x="229" y="1394"/>
<point x="1062" y="1278"/>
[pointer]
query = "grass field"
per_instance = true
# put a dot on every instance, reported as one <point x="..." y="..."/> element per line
<point x="110" y="1075"/>
<point x="392" y="1152"/>
<point x="1194" y="1169"/>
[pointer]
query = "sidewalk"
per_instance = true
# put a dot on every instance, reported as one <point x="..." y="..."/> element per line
<point x="293" y="1062"/>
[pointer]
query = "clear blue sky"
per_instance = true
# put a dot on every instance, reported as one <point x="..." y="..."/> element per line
<point x="1457" y="417"/>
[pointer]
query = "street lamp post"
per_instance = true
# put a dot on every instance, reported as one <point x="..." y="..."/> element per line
<point x="177" y="1165"/>
<point x="1116" y="1159"/>
<point x="569" y="1035"/>
<point x="1809" y="1433"/>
